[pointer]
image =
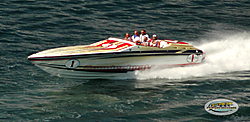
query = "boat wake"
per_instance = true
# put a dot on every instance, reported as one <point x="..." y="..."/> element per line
<point x="224" y="55"/>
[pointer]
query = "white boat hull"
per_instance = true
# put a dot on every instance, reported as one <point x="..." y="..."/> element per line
<point x="108" y="68"/>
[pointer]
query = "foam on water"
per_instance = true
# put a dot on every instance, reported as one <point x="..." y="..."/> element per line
<point x="225" y="54"/>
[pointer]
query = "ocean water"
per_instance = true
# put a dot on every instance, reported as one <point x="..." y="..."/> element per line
<point x="219" y="27"/>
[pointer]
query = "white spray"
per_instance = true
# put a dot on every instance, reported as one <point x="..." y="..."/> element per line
<point x="226" y="54"/>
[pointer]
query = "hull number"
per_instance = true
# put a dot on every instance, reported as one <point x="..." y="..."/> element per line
<point x="73" y="63"/>
<point x="192" y="58"/>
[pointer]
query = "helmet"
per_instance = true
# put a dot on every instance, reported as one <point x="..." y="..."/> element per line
<point x="154" y="36"/>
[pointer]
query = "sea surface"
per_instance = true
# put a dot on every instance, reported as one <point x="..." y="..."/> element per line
<point x="219" y="27"/>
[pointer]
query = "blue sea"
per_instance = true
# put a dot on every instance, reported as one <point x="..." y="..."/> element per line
<point x="219" y="27"/>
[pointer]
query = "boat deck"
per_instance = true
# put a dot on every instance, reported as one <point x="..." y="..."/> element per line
<point x="109" y="45"/>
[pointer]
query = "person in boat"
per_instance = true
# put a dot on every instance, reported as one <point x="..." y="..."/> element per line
<point x="135" y="38"/>
<point x="143" y="38"/>
<point x="127" y="37"/>
<point x="153" y="42"/>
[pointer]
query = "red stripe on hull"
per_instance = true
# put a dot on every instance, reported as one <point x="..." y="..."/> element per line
<point x="116" y="68"/>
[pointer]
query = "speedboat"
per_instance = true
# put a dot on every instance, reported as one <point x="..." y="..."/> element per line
<point x="113" y="56"/>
